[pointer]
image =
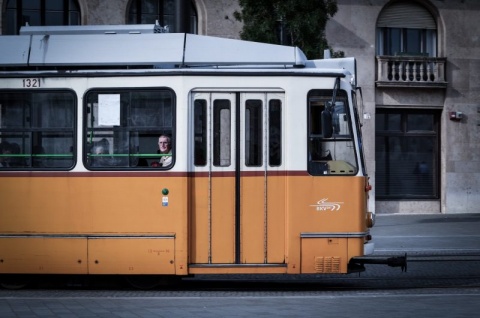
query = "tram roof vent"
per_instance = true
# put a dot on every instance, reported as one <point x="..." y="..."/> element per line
<point x="94" y="29"/>
<point x="103" y="47"/>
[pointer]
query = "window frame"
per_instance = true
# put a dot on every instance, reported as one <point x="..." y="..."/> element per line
<point x="19" y="12"/>
<point x="200" y="132"/>
<point x="427" y="42"/>
<point x="253" y="132"/>
<point x="32" y="130"/>
<point x="402" y="135"/>
<point x="322" y="163"/>
<point x="150" y="131"/>
<point x="222" y="132"/>
<point x="137" y="17"/>
<point x="275" y="132"/>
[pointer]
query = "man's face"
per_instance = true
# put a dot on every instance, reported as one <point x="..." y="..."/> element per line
<point x="163" y="145"/>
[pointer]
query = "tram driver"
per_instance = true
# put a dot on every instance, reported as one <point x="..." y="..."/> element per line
<point x="4" y="152"/>
<point x="164" y="148"/>
<point x="13" y="149"/>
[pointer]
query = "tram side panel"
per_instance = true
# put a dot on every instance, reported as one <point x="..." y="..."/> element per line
<point x="121" y="221"/>
<point x="276" y="220"/>
<point x="148" y="227"/>
<point x="326" y="223"/>
<point x="79" y="221"/>
<point x="325" y="194"/>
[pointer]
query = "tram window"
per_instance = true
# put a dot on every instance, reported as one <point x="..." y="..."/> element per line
<point x="335" y="154"/>
<point x="253" y="133"/>
<point x="200" y="131"/>
<point x="221" y="133"/>
<point x="123" y="127"/>
<point x="275" y="132"/>
<point x="37" y="130"/>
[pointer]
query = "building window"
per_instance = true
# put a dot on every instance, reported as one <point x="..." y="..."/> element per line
<point x="163" y="11"/>
<point x="38" y="13"/>
<point x="406" y="28"/>
<point x="407" y="154"/>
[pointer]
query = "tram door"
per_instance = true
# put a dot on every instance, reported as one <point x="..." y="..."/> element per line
<point x="236" y="210"/>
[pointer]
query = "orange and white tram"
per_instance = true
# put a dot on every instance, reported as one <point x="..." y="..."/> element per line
<point x="265" y="171"/>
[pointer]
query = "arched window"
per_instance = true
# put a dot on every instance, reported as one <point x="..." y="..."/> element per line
<point x="163" y="11"/>
<point x="406" y="28"/>
<point x="39" y="12"/>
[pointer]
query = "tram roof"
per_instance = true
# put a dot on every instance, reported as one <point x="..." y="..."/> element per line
<point x="136" y="46"/>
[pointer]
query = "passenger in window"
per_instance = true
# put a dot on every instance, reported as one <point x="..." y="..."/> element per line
<point x="11" y="161"/>
<point x="164" y="148"/>
<point x="99" y="151"/>
<point x="141" y="162"/>
<point x="5" y="150"/>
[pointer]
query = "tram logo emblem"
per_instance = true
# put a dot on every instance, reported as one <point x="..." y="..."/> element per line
<point x="324" y="205"/>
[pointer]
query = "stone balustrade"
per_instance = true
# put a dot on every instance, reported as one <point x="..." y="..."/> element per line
<point x="411" y="71"/>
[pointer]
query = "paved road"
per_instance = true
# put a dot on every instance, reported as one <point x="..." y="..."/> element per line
<point x="427" y="234"/>
<point x="445" y="288"/>
<point x="367" y="305"/>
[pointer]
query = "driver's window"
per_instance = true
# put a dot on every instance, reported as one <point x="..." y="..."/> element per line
<point x="331" y="148"/>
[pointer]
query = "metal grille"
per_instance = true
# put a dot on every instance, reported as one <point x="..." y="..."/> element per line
<point x="329" y="264"/>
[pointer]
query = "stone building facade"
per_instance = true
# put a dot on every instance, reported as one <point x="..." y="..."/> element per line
<point x="215" y="17"/>
<point x="418" y="64"/>
<point x="396" y="84"/>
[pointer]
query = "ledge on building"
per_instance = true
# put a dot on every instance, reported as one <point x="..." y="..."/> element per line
<point x="411" y="71"/>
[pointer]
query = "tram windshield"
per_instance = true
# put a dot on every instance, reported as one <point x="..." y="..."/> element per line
<point x="331" y="150"/>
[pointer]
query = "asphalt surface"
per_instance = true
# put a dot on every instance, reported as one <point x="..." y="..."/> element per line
<point x="427" y="234"/>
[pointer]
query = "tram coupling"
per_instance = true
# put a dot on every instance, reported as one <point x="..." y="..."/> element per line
<point x="394" y="261"/>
